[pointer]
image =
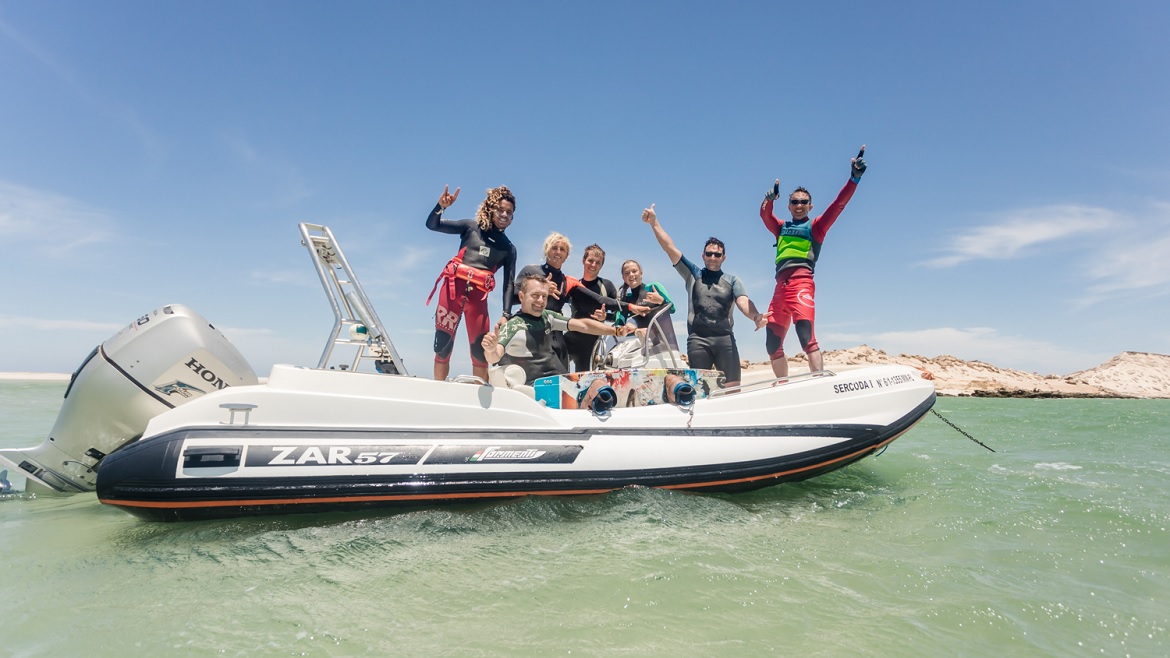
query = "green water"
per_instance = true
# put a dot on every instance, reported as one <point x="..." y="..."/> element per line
<point x="1056" y="545"/>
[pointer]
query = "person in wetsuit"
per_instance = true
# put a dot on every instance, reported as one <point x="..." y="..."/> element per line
<point x="652" y="295"/>
<point x="564" y="289"/>
<point x="712" y="293"/>
<point x="593" y="297"/>
<point x="798" y="245"/>
<point x="467" y="279"/>
<point x="526" y="339"/>
<point x="556" y="251"/>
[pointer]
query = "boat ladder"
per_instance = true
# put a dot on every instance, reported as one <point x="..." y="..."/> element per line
<point x="356" y="324"/>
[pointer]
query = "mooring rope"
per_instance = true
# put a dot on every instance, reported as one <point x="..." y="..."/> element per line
<point x="960" y="430"/>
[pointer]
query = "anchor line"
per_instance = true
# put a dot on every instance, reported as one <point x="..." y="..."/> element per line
<point x="960" y="430"/>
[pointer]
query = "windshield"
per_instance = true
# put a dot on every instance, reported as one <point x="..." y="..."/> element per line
<point x="660" y="333"/>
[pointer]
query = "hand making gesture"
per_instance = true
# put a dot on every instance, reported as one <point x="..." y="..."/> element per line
<point x="762" y="320"/>
<point x="446" y="198"/>
<point x="649" y="216"/>
<point x="773" y="193"/>
<point x="638" y="309"/>
<point x="492" y="350"/>
<point x="554" y="291"/>
<point x="858" y="164"/>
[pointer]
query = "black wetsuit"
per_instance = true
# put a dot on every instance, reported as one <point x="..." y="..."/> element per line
<point x="637" y="295"/>
<point x="586" y="297"/>
<point x="711" y="341"/>
<point x="483" y="250"/>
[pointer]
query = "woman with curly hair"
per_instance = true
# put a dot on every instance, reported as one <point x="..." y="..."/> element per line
<point x="470" y="275"/>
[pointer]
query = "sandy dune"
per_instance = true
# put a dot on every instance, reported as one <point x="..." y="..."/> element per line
<point x="1129" y="375"/>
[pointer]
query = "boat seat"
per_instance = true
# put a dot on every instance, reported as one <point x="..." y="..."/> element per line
<point x="511" y="376"/>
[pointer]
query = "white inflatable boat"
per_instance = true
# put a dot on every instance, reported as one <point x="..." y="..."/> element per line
<point x="166" y="421"/>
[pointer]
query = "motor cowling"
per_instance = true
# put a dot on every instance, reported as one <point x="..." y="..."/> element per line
<point x="163" y="359"/>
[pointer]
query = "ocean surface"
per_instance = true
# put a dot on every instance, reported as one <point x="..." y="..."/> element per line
<point x="1055" y="545"/>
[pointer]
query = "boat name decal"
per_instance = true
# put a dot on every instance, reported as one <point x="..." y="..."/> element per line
<point x="334" y="455"/>
<point x="848" y="387"/>
<point x="881" y="382"/>
<point x="497" y="454"/>
<point x="207" y="375"/>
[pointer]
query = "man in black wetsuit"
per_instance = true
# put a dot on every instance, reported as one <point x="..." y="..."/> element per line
<point x="712" y="293"/>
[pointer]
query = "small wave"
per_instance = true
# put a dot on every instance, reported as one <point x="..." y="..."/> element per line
<point x="1057" y="466"/>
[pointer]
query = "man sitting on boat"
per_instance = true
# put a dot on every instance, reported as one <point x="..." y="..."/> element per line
<point x="526" y="339"/>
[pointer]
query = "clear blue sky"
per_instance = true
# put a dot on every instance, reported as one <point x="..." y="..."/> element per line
<point x="1016" y="208"/>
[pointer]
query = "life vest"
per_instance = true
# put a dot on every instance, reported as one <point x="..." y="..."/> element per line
<point x="795" y="246"/>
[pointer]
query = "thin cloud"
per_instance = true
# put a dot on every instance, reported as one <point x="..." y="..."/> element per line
<point x="1141" y="266"/>
<point x="285" y="178"/>
<point x="1138" y="264"/>
<point x="43" y="56"/>
<point x="1021" y="230"/>
<point x="43" y="324"/>
<point x="302" y="278"/>
<point x="52" y="223"/>
<point x="63" y="72"/>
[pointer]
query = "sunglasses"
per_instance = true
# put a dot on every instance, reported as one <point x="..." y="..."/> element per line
<point x="799" y="202"/>
<point x="713" y="254"/>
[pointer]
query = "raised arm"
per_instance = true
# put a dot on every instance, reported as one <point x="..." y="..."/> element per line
<point x="435" y="219"/>
<point x="664" y="241"/>
<point x="770" y="222"/>
<point x="823" y="223"/>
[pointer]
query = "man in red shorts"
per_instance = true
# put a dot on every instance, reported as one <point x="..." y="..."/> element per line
<point x="798" y="244"/>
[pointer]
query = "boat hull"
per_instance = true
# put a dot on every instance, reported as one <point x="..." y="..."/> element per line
<point x="187" y="470"/>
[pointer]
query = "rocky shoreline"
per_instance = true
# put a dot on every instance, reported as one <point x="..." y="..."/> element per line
<point x="1128" y="375"/>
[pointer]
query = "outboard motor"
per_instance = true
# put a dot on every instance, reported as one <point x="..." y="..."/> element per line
<point x="161" y="360"/>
